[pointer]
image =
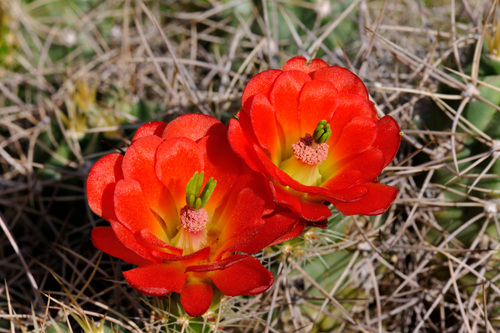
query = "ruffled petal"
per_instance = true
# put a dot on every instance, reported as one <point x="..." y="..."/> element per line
<point x="375" y="202"/>
<point x="277" y="225"/>
<point x="358" y="135"/>
<point x="105" y="240"/>
<point x="300" y="63"/>
<point x="341" y="179"/>
<point x="186" y="260"/>
<point x="344" y="80"/>
<point x="264" y="163"/>
<point x="350" y="194"/>
<point x="258" y="183"/>
<point x="244" y="224"/>
<point x="313" y="211"/>
<point x="317" y="101"/>
<point x="349" y="106"/>
<point x="135" y="242"/>
<point x="239" y="142"/>
<point x="152" y="128"/>
<point x="264" y="125"/>
<point x="177" y="159"/>
<point x="369" y="163"/>
<point x="155" y="241"/>
<point x="284" y="97"/>
<point x="294" y="188"/>
<point x="388" y="138"/>
<point x="139" y="164"/>
<point x="156" y="280"/>
<point x="132" y="209"/>
<point x="101" y="183"/>
<point x="221" y="163"/>
<point x="260" y="84"/>
<point x="194" y="126"/>
<point x="247" y="277"/>
<point x="247" y="179"/>
<point x="219" y="264"/>
<point x="365" y="167"/>
<point x="295" y="232"/>
<point x="196" y="298"/>
<point x="284" y="197"/>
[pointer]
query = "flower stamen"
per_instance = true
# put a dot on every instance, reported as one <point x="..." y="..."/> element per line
<point x="309" y="152"/>
<point x="192" y="220"/>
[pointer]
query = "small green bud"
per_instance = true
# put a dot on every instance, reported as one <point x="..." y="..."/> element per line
<point x="322" y="133"/>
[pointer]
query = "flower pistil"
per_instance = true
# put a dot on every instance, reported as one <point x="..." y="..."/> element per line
<point x="192" y="233"/>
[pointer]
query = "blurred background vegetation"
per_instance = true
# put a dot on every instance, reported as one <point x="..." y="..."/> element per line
<point x="77" y="78"/>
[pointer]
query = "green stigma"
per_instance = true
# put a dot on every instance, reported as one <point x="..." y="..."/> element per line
<point x="195" y="199"/>
<point x="322" y="133"/>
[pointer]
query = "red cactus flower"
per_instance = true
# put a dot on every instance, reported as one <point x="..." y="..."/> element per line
<point x="180" y="204"/>
<point x="311" y="129"/>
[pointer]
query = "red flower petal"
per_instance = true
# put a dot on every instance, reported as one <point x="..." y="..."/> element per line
<point x="284" y="197"/>
<point x="260" y="84"/>
<point x="139" y="164"/>
<point x="342" y="194"/>
<point x="342" y="179"/>
<point x="156" y="280"/>
<point x="155" y="241"/>
<point x="349" y="106"/>
<point x="312" y="211"/>
<point x="257" y="182"/>
<point x="343" y="79"/>
<point x="369" y="164"/>
<point x="221" y="163"/>
<point x="308" y="210"/>
<point x="152" y="128"/>
<point x="376" y="202"/>
<point x="388" y="138"/>
<point x="350" y="194"/>
<point x="219" y="264"/>
<point x="317" y="101"/>
<point x="264" y="163"/>
<point x="284" y="97"/>
<point x="264" y="124"/>
<point x="247" y="180"/>
<point x="186" y="260"/>
<point x="134" y="242"/>
<point x="242" y="146"/>
<point x="101" y="183"/>
<point x="295" y="232"/>
<point x="277" y="225"/>
<point x="132" y="209"/>
<point x="300" y="63"/>
<point x="194" y="126"/>
<point x="358" y="135"/>
<point x="177" y="159"/>
<point x="105" y="240"/>
<point x="247" y="277"/>
<point x="196" y="298"/>
<point x="244" y="223"/>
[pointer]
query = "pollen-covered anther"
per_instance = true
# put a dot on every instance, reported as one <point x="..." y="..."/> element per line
<point x="309" y="152"/>
<point x="193" y="220"/>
